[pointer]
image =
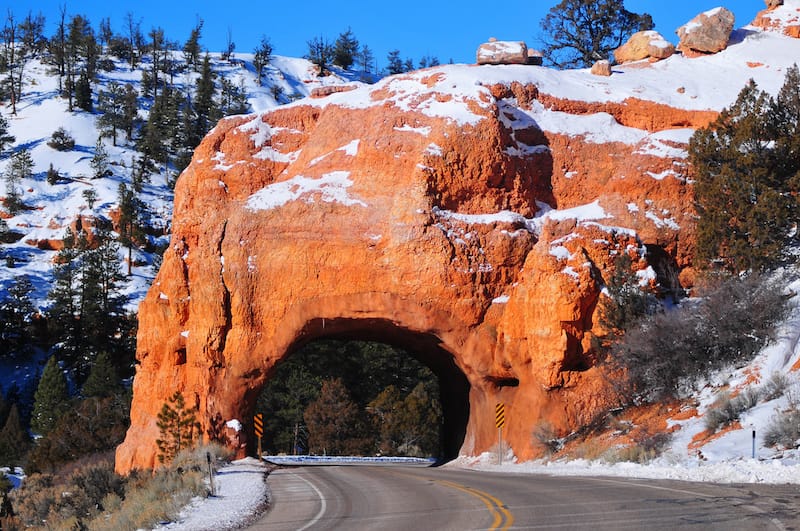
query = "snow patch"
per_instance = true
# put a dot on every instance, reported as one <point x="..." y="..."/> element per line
<point x="331" y="188"/>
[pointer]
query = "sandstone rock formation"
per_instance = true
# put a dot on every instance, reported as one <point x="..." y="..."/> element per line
<point x="780" y="16"/>
<point x="601" y="68"/>
<point x="708" y="32"/>
<point x="415" y="213"/>
<point x="467" y="213"/>
<point x="644" y="45"/>
<point x="497" y="52"/>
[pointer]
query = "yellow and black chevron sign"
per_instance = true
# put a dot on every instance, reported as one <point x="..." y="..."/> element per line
<point x="258" y="421"/>
<point x="500" y="415"/>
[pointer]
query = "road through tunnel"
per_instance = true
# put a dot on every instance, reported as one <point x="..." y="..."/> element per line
<point x="369" y="356"/>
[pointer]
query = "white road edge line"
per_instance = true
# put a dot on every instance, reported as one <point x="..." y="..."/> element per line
<point x="323" y="503"/>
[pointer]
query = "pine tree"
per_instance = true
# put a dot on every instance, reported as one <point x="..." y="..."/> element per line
<point x="20" y="167"/>
<point x="63" y="315"/>
<point x="261" y="57"/>
<point x="191" y="50"/>
<point x="320" y="52"/>
<point x="83" y="92"/>
<point x="747" y="177"/>
<point x="130" y="111"/>
<point x="345" y="49"/>
<point x="16" y="312"/>
<point x="206" y="112"/>
<point x="103" y="380"/>
<point x="6" y="138"/>
<point x="177" y="426"/>
<point x="395" y="65"/>
<point x="99" y="162"/>
<point x="579" y="32"/>
<point x="51" y="399"/>
<point x="111" y="106"/>
<point x="365" y="59"/>
<point x="14" y="440"/>
<point x="335" y="423"/>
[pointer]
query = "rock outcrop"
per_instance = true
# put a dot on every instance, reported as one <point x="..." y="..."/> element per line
<point x="708" y="32"/>
<point x="410" y="212"/>
<point x="644" y="45"/>
<point x="467" y="213"/>
<point x="780" y="16"/>
<point x="497" y="52"/>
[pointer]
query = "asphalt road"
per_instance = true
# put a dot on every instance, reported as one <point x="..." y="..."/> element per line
<point x="388" y="498"/>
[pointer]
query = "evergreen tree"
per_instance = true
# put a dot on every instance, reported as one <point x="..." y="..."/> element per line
<point x="191" y="50"/>
<point x="80" y="58"/>
<point x="14" y="440"/>
<point x="6" y="138"/>
<point x="51" y="400"/>
<point x="365" y="58"/>
<point x="335" y="423"/>
<point x="345" y="49"/>
<point x="747" y="178"/>
<point x="320" y="52"/>
<point x="130" y="111"/>
<point x="395" y="65"/>
<point x="178" y="428"/>
<point x="20" y="167"/>
<point x="158" y="53"/>
<point x="427" y="61"/>
<point x="205" y="110"/>
<point x="63" y="316"/>
<point x="261" y="57"/>
<point x="105" y="32"/>
<point x="16" y="313"/>
<point x="111" y="106"/>
<point x="103" y="380"/>
<point x="99" y="162"/>
<point x="83" y="92"/>
<point x="233" y="98"/>
<point x="90" y="195"/>
<point x="579" y="32"/>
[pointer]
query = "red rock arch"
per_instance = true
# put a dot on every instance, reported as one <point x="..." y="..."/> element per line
<point x="384" y="220"/>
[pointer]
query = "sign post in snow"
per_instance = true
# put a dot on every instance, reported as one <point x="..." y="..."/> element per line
<point x="499" y="422"/>
<point x="258" y="422"/>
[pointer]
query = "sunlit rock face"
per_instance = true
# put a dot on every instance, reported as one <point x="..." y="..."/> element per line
<point x="467" y="213"/>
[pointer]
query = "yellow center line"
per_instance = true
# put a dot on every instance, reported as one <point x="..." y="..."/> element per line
<point x="495" y="506"/>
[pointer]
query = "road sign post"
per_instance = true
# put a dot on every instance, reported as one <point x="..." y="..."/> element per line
<point x="499" y="422"/>
<point x="258" y="423"/>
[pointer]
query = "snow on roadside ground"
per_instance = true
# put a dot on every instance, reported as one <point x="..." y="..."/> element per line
<point x="742" y="470"/>
<point x="240" y="491"/>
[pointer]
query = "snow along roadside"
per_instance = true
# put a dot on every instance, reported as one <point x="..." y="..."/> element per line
<point x="240" y="493"/>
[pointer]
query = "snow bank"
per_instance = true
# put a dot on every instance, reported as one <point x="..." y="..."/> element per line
<point x="240" y="491"/>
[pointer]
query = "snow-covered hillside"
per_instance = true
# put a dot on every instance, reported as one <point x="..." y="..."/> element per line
<point x="50" y="208"/>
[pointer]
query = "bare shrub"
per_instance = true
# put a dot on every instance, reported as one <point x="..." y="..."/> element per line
<point x="784" y="428"/>
<point x="647" y="446"/>
<point x="775" y="387"/>
<point x="667" y="353"/>
<point x="546" y="438"/>
<point x="727" y="409"/>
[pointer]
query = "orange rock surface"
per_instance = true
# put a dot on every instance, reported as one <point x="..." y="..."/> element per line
<point x="383" y="221"/>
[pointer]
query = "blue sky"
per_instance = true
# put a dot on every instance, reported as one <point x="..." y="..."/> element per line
<point x="415" y="27"/>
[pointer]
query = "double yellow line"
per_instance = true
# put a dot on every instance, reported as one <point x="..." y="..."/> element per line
<point x="503" y="519"/>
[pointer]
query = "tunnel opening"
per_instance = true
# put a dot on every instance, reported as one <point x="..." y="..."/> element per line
<point x="410" y="395"/>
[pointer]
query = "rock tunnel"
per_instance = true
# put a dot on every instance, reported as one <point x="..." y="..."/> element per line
<point x="385" y="222"/>
<point x="425" y="348"/>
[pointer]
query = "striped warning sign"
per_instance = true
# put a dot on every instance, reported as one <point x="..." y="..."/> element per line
<point x="500" y="415"/>
<point x="258" y="421"/>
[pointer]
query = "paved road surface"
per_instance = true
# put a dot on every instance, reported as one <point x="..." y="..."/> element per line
<point x="388" y="498"/>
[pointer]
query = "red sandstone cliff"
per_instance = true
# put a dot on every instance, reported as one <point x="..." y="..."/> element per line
<point x="470" y="213"/>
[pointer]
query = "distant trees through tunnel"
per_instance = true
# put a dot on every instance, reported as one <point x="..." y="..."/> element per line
<point x="336" y="396"/>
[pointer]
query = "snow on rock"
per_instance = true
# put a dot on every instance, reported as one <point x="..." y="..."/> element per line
<point x="331" y="188"/>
